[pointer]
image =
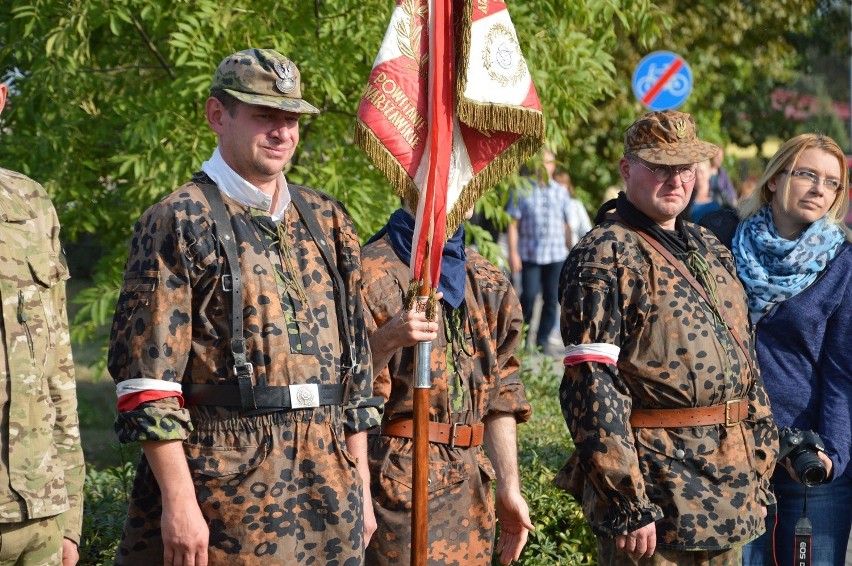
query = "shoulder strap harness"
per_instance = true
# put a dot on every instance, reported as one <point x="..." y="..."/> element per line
<point x="252" y="397"/>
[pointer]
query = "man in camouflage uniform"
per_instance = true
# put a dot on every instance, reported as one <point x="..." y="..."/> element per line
<point x="42" y="470"/>
<point x="674" y="439"/>
<point x="476" y="396"/>
<point x="254" y="453"/>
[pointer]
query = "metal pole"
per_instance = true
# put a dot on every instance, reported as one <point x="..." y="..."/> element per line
<point x="420" y="476"/>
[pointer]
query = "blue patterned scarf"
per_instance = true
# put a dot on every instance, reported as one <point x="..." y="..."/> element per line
<point x="774" y="269"/>
<point x="400" y="231"/>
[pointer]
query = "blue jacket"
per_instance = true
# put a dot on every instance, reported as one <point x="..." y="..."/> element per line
<point x="805" y="354"/>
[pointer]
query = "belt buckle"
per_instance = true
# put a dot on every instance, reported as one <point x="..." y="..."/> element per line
<point x="453" y="432"/>
<point x="728" y="405"/>
<point x="304" y="396"/>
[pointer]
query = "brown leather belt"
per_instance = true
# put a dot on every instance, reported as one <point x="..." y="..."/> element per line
<point x="728" y="414"/>
<point x="453" y="435"/>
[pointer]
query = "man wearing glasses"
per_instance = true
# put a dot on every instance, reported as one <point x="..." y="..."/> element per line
<point x="674" y="439"/>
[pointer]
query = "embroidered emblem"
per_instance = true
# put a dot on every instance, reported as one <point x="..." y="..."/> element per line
<point x="501" y="56"/>
<point x="680" y="126"/>
<point x="287" y="78"/>
<point x="408" y="30"/>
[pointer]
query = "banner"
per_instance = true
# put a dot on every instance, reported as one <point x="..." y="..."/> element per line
<point x="493" y="113"/>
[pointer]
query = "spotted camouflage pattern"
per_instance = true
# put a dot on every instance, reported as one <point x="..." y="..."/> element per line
<point x="461" y="505"/>
<point x="44" y="473"/>
<point x="667" y="138"/>
<point x="262" y="77"/>
<point x="279" y="487"/>
<point x="703" y="485"/>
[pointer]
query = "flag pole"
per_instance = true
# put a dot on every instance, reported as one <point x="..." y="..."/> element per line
<point x="441" y="148"/>
<point x="437" y="180"/>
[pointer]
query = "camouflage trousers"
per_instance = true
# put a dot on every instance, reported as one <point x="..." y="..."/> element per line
<point x="609" y="555"/>
<point x="461" y="505"/>
<point x="37" y="542"/>
<point x="274" y="489"/>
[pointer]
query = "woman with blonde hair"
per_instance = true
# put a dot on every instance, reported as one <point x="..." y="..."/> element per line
<point x="794" y="258"/>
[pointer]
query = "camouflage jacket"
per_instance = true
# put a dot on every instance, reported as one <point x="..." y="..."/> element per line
<point x="639" y="336"/>
<point x="474" y="376"/>
<point x="171" y="323"/>
<point x="491" y="380"/>
<point x="42" y="470"/>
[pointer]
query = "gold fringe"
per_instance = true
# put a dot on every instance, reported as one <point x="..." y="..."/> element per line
<point x="501" y="166"/>
<point x="527" y="122"/>
<point x="385" y="162"/>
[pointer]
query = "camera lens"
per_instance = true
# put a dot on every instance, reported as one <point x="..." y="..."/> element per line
<point x="809" y="468"/>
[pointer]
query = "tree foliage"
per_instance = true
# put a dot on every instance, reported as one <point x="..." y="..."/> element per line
<point x="108" y="97"/>
<point x="739" y="52"/>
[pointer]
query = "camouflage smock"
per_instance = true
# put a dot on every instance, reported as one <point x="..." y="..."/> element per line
<point x="703" y="486"/>
<point x="41" y="471"/>
<point x="486" y="382"/>
<point x="277" y="488"/>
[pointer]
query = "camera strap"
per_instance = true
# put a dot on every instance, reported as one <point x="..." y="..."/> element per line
<point x="802" y="536"/>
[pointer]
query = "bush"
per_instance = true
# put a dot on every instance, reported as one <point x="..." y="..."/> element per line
<point x="107" y="493"/>
<point x="562" y="535"/>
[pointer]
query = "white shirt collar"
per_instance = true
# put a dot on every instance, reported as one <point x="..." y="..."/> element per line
<point x="232" y="184"/>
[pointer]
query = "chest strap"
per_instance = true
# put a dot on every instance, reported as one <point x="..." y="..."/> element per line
<point x="232" y="282"/>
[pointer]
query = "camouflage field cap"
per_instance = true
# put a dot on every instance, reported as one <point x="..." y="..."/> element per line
<point x="667" y="138"/>
<point x="262" y="77"/>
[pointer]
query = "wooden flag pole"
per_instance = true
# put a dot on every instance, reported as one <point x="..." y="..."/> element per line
<point x="434" y="214"/>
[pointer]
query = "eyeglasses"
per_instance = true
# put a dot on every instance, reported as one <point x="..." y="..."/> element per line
<point x="663" y="173"/>
<point x="812" y="179"/>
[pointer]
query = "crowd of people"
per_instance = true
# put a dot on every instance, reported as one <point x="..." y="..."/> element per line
<point x="264" y="359"/>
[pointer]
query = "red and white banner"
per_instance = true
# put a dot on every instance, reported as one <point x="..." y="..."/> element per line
<point x="449" y="110"/>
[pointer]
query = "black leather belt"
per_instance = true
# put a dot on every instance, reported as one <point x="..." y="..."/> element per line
<point x="300" y="396"/>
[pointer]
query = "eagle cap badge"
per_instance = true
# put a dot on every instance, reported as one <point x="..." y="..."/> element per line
<point x="287" y="77"/>
<point x="680" y="128"/>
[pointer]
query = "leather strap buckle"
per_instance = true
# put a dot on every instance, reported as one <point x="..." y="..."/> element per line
<point x="453" y="432"/>
<point x="729" y="405"/>
<point x="304" y="396"/>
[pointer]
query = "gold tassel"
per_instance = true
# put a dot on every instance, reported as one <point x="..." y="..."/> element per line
<point x="412" y="299"/>
<point x="411" y="295"/>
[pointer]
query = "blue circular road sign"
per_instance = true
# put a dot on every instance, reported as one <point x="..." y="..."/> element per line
<point x="662" y="80"/>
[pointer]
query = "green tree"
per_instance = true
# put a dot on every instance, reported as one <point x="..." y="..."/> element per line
<point x="739" y="52"/>
<point x="108" y="97"/>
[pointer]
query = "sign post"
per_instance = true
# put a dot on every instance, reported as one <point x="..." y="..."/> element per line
<point x="662" y="81"/>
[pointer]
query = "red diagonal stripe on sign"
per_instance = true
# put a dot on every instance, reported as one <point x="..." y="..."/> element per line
<point x="670" y="72"/>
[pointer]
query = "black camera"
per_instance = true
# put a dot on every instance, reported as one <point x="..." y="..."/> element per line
<point x="801" y="446"/>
